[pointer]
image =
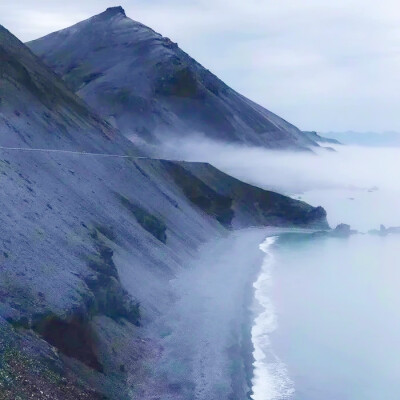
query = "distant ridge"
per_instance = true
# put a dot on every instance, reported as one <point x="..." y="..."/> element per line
<point x="372" y="139"/>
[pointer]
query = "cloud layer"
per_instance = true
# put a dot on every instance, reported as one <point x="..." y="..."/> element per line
<point x="356" y="185"/>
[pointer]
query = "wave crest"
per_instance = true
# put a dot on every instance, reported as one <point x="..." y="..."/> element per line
<point x="270" y="379"/>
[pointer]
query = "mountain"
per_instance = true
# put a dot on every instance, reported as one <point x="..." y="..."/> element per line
<point x="320" y="139"/>
<point x="144" y="84"/>
<point x="31" y="115"/>
<point x="92" y="240"/>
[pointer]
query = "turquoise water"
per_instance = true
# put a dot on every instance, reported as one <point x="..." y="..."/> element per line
<point x="337" y="310"/>
<point x="327" y="311"/>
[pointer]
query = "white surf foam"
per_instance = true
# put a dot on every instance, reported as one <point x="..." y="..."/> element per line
<point x="270" y="380"/>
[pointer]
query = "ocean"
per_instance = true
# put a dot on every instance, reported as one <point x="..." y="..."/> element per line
<point x="327" y="310"/>
<point x="326" y="322"/>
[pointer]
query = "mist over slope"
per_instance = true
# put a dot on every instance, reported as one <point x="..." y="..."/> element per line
<point x="91" y="243"/>
<point x="348" y="183"/>
<point x="288" y="171"/>
<point x="145" y="85"/>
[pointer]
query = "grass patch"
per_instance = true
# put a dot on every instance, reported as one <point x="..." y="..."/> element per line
<point x="202" y="195"/>
<point x="147" y="221"/>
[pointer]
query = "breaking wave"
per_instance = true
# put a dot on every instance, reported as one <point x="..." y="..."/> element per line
<point x="270" y="378"/>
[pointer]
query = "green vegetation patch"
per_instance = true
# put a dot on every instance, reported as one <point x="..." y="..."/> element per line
<point x="181" y="83"/>
<point x="147" y="221"/>
<point x="109" y="297"/>
<point x="201" y="195"/>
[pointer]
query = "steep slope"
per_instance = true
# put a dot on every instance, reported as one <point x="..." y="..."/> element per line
<point x="320" y="139"/>
<point x="37" y="110"/>
<point x="90" y="245"/>
<point x="250" y="205"/>
<point x="147" y="86"/>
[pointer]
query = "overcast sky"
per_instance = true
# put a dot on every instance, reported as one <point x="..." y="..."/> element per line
<point x="327" y="66"/>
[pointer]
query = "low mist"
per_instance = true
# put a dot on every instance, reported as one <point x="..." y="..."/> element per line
<point x="348" y="181"/>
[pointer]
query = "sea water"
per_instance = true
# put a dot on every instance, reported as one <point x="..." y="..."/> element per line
<point x="328" y="319"/>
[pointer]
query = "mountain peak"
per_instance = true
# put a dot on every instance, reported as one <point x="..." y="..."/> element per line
<point x="115" y="11"/>
<point x="148" y="84"/>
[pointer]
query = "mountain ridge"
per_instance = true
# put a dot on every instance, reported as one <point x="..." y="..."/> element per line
<point x="27" y="105"/>
<point x="149" y="88"/>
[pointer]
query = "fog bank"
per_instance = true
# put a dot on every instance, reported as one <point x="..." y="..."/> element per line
<point x="349" y="182"/>
<point x="347" y="167"/>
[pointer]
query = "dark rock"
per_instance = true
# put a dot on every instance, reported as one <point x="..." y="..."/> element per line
<point x="383" y="231"/>
<point x="72" y="337"/>
<point x="115" y="11"/>
<point x="341" y="231"/>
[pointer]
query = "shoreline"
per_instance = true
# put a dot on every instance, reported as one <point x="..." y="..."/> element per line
<point x="255" y="310"/>
<point x="205" y="339"/>
<point x="204" y="336"/>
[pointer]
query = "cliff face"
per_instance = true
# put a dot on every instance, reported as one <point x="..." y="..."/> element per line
<point x="147" y="86"/>
<point x="90" y="243"/>
<point x="252" y="206"/>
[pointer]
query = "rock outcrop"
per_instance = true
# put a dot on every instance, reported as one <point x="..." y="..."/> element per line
<point x="341" y="231"/>
<point x="383" y="231"/>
